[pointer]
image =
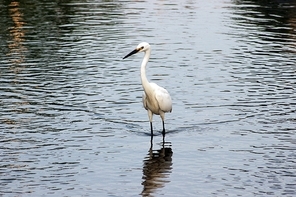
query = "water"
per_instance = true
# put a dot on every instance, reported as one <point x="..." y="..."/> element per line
<point x="72" y="122"/>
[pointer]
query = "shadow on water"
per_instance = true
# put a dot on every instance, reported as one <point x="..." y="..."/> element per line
<point x="157" y="166"/>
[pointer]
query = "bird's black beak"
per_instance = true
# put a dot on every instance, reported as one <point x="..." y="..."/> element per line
<point x="131" y="53"/>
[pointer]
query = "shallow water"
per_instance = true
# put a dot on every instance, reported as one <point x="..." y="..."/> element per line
<point x="71" y="118"/>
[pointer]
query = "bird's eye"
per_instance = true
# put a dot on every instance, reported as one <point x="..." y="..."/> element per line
<point x="142" y="47"/>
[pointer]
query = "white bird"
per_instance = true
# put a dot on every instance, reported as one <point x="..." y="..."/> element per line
<point x="156" y="100"/>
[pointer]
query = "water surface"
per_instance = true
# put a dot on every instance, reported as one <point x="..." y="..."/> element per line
<point x="72" y="121"/>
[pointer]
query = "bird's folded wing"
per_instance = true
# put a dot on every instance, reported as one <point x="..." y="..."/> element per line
<point x="164" y="99"/>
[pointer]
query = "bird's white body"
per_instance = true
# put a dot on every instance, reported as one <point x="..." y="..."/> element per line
<point x="156" y="100"/>
<point x="161" y="101"/>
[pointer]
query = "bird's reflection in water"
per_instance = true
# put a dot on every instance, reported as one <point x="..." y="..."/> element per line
<point x="156" y="168"/>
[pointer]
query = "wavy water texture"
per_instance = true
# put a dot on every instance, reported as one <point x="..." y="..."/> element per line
<point x="71" y="117"/>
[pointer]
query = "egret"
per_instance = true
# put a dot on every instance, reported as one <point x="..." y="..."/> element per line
<point x="156" y="99"/>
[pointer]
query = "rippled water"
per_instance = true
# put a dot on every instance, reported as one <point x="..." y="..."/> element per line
<point x="71" y="118"/>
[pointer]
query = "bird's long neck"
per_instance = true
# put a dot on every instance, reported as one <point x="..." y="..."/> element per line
<point x="145" y="82"/>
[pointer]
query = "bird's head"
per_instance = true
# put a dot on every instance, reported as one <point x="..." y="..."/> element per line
<point x="142" y="47"/>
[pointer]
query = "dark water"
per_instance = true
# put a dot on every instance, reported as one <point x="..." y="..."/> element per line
<point x="71" y="118"/>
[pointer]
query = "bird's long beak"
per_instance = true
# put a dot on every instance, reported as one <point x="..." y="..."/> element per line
<point x="132" y="53"/>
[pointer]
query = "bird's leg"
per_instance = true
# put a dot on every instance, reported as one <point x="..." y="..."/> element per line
<point x="150" y="114"/>
<point x="163" y="130"/>
<point x="151" y="128"/>
<point x="151" y="142"/>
